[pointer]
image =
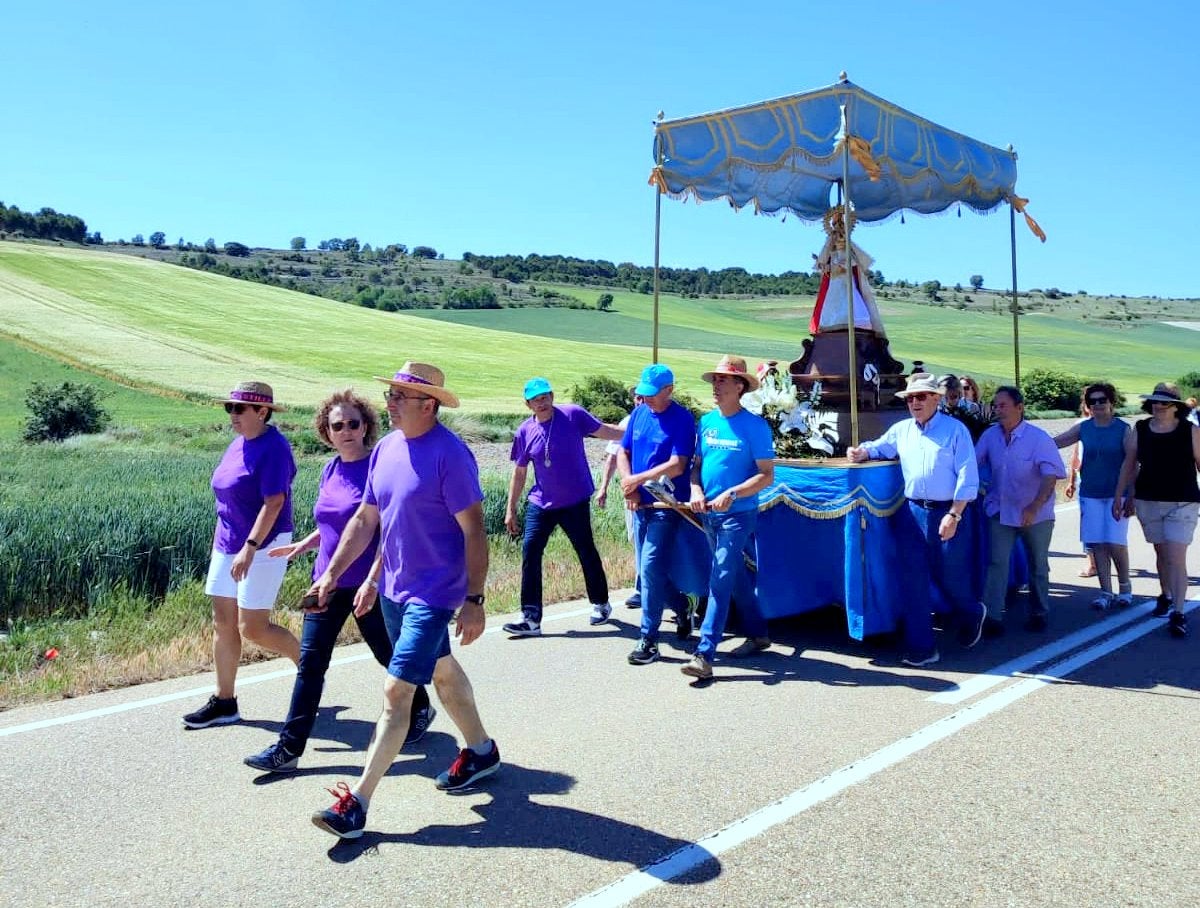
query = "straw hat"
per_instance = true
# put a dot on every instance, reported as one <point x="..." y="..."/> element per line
<point x="1168" y="393"/>
<point x="255" y="393"/>
<point x="735" y="366"/>
<point x="921" y="383"/>
<point x="424" y="379"/>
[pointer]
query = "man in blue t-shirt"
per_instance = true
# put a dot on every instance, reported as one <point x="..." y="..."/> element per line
<point x="658" y="444"/>
<point x="735" y="459"/>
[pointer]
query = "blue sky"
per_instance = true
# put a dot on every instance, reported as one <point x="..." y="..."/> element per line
<point x="526" y="127"/>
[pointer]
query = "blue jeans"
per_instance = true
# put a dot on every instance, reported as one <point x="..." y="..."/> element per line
<point x="1037" y="547"/>
<point x="316" y="648"/>
<point x="655" y="529"/>
<point x="728" y="534"/>
<point x="576" y="522"/>
<point x="928" y="561"/>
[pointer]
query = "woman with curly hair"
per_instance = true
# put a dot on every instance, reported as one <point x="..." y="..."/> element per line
<point x="349" y="425"/>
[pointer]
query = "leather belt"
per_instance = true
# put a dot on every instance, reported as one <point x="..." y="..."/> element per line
<point x="929" y="504"/>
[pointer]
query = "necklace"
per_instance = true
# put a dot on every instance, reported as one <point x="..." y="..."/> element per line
<point x="546" y="439"/>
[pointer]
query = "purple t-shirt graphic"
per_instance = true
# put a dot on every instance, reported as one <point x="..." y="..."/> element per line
<point x="562" y="476"/>
<point x="249" y="472"/>
<point x="419" y="485"/>
<point x="338" y="497"/>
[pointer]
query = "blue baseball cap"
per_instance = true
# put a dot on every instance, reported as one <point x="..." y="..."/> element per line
<point x="536" y="387"/>
<point x="654" y="379"/>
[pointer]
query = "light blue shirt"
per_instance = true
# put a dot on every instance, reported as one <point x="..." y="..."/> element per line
<point x="937" y="459"/>
<point x="1017" y="465"/>
<point x="730" y="448"/>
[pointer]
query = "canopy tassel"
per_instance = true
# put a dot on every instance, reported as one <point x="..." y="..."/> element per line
<point x="1019" y="204"/>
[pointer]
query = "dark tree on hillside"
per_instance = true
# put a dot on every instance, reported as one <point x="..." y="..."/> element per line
<point x="138" y="240"/>
<point x="210" y="245"/>
<point x="605" y="302"/>
<point x="298" y="243"/>
<point x="237" y="249"/>
<point x="977" y="281"/>
<point x="424" y="252"/>
<point x="158" y="239"/>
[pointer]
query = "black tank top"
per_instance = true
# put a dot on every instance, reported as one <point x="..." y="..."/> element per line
<point x="1168" y="470"/>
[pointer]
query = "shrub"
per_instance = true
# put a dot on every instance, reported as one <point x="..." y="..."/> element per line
<point x="605" y="398"/>
<point x="1189" y="384"/>
<point x="1047" y="389"/>
<point x="58" y="413"/>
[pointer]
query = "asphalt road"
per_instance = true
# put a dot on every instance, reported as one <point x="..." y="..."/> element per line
<point x="819" y="773"/>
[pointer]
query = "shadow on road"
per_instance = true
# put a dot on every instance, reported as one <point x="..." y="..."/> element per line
<point x="512" y="820"/>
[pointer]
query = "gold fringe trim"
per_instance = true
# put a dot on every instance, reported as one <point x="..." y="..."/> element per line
<point x="859" y="498"/>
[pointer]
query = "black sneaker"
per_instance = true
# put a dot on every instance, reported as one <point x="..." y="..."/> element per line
<point x="1035" y="623"/>
<point x="916" y="660"/>
<point x="1177" y="625"/>
<point x="346" y="818"/>
<point x="215" y="712"/>
<point x="683" y="625"/>
<point x="524" y="628"/>
<point x="275" y="758"/>
<point x="634" y="601"/>
<point x="972" y="628"/>
<point x="993" y="628"/>
<point x="468" y="768"/>
<point x="420" y="725"/>
<point x="644" y="653"/>
<point x="1162" y="606"/>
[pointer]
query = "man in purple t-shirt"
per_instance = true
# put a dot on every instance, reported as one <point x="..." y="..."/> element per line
<point x="423" y="495"/>
<point x="552" y="440"/>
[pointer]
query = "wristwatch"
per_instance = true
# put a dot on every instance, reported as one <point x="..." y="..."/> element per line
<point x="957" y="517"/>
<point x="253" y="543"/>
<point x="732" y="495"/>
<point x="476" y="599"/>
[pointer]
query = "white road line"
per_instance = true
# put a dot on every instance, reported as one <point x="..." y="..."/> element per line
<point x="245" y="681"/>
<point x="1023" y="663"/>
<point x="643" y="880"/>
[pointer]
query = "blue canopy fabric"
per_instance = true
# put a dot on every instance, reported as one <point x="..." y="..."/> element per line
<point x="784" y="155"/>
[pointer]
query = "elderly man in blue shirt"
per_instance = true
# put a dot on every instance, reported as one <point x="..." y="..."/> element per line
<point x="937" y="459"/>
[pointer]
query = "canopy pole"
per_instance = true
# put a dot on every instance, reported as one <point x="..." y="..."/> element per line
<point x="657" y="239"/>
<point x="1012" y="235"/>
<point x="851" y="319"/>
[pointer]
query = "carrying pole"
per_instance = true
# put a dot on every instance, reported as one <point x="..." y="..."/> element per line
<point x="1016" y="309"/>
<point x="658" y="191"/>
<point x="850" y="319"/>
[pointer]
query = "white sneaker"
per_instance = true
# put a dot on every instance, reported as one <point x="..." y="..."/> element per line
<point x="1124" y="600"/>
<point x="600" y="613"/>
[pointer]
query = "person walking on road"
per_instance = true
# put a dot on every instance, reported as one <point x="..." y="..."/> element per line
<point x="658" y="444"/>
<point x="1024" y="465"/>
<point x="253" y="489"/>
<point x="423" y="495"/>
<point x="1162" y="456"/>
<point x="1103" y="529"/>
<point x="735" y="460"/>
<point x="937" y="460"/>
<point x="552" y="440"/>
<point x="349" y="425"/>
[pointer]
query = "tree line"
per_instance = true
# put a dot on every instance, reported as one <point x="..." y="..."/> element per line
<point x="688" y="282"/>
<point x="45" y="224"/>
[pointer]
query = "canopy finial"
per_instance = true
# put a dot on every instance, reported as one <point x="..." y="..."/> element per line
<point x="660" y="116"/>
<point x="842" y="77"/>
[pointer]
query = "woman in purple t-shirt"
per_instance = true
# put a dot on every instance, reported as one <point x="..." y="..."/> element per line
<point x="349" y="425"/>
<point x="253" y="489"/>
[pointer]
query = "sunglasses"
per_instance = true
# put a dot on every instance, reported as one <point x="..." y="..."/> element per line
<point x="918" y="398"/>
<point x="400" y="395"/>
<point x="239" y="409"/>
<point x="351" y="424"/>
<point x="1097" y="401"/>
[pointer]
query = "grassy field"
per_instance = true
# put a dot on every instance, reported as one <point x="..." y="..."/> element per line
<point x="170" y="327"/>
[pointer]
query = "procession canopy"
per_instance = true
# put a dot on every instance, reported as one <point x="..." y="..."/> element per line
<point x="782" y="156"/>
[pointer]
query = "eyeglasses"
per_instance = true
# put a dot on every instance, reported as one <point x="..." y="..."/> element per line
<point x="351" y="424"/>
<point x="239" y="409"/>
<point x="919" y="398"/>
<point x="1097" y="401"/>
<point x="400" y="395"/>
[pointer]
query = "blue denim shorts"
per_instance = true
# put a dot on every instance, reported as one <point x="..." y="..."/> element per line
<point x="420" y="636"/>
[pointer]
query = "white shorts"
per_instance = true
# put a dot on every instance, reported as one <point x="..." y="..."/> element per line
<point x="260" y="586"/>
<point x="1097" y="526"/>
<point x="1168" y="521"/>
